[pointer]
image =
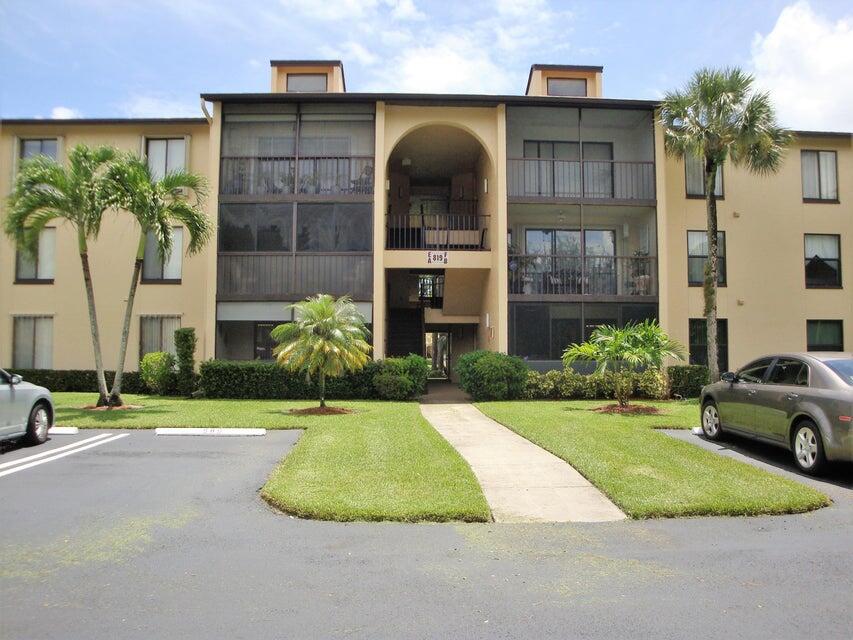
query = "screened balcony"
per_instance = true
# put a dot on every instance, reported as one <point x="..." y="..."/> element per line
<point x="276" y="151"/>
<point x="592" y="155"/>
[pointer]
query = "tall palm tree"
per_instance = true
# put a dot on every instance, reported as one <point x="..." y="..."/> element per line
<point x="76" y="193"/>
<point x="624" y="350"/>
<point x="719" y="117"/>
<point x="327" y="337"/>
<point x="156" y="205"/>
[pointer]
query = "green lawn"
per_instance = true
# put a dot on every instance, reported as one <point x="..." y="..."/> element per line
<point x="649" y="474"/>
<point x="383" y="462"/>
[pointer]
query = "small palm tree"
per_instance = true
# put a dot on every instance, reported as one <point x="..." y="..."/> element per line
<point x="77" y="193"/>
<point x="328" y="337"/>
<point x="625" y="350"/>
<point x="156" y="205"/>
<point x="715" y="118"/>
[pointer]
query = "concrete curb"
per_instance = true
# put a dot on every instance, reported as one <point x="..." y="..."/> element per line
<point x="63" y="431"/>
<point x="208" y="431"/>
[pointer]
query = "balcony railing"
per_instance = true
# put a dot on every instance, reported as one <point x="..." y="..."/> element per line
<point x="287" y="276"/>
<point x="590" y="179"/>
<point x="283" y="175"/>
<point x="531" y="274"/>
<point x="441" y="231"/>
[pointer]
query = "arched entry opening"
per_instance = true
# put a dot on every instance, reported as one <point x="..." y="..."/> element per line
<point x="439" y="205"/>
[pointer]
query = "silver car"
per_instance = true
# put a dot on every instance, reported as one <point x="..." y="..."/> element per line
<point x="26" y="410"/>
<point x="800" y="401"/>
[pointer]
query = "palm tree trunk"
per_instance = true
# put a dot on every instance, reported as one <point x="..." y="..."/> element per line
<point x="93" y="318"/>
<point x="322" y="389"/>
<point x="115" y="394"/>
<point x="710" y="285"/>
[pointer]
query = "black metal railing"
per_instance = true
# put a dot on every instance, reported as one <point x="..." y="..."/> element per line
<point x="431" y="291"/>
<point x="593" y="179"/>
<point x="258" y="276"/>
<point x="532" y="274"/>
<point x="442" y="231"/>
<point x="282" y="175"/>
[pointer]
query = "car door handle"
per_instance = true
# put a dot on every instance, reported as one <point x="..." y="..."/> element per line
<point x="792" y="396"/>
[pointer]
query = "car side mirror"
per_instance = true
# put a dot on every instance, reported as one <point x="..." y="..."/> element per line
<point x="729" y="377"/>
<point x="15" y="379"/>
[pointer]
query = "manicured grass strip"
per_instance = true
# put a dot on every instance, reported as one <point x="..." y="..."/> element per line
<point x="646" y="473"/>
<point x="383" y="463"/>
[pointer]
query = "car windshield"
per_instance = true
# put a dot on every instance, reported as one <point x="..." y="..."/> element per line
<point x="843" y="368"/>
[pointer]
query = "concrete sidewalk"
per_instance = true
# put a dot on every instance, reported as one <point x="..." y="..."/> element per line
<point x="521" y="481"/>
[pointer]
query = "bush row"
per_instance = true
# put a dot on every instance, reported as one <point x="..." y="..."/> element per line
<point x="80" y="380"/>
<point x="571" y="385"/>
<point x="687" y="380"/>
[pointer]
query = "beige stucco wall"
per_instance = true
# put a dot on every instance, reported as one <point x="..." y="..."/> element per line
<point x="111" y="257"/>
<point x="766" y="301"/>
<point x="539" y="81"/>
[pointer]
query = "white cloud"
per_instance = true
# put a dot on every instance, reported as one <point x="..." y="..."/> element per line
<point x="405" y="10"/>
<point x="805" y="62"/>
<point x="64" y="113"/>
<point x="352" y="50"/>
<point x="159" y="106"/>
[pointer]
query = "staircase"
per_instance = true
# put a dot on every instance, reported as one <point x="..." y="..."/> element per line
<point x="405" y="332"/>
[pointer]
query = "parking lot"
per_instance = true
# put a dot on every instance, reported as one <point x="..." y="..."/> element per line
<point x="147" y="536"/>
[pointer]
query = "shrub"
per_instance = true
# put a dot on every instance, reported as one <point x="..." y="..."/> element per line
<point x="185" y="343"/>
<point x="542" y="386"/>
<point x="255" y="379"/>
<point x="158" y="371"/>
<point x="393" y="386"/>
<point x="652" y="384"/>
<point x="80" y="380"/>
<point x="487" y="375"/>
<point x="687" y="380"/>
<point x="417" y="368"/>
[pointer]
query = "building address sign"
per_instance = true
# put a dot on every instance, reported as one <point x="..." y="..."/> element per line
<point x="436" y="257"/>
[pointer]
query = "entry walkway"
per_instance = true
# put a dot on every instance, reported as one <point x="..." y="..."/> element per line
<point x="521" y="481"/>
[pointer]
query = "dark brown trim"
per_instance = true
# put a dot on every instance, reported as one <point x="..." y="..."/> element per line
<point x="820" y="201"/>
<point x="285" y="198"/>
<point x="85" y="121"/>
<point x="306" y="63"/>
<point x="823" y="134"/>
<point x="614" y="202"/>
<point x="579" y="297"/>
<point x="160" y="281"/>
<point x="33" y="281"/>
<point x="840" y="284"/>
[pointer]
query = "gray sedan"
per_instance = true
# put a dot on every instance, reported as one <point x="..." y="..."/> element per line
<point x="26" y="410"/>
<point x="800" y="401"/>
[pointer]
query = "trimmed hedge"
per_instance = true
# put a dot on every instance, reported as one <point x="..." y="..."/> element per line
<point x="256" y="379"/>
<point x="571" y="385"/>
<point x="687" y="380"/>
<point x="83" y="380"/>
<point x="488" y="375"/>
<point x="185" y="343"/>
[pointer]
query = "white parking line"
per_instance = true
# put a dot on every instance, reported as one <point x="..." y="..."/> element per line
<point x="208" y="431"/>
<point x="62" y="455"/>
<point x="50" y="452"/>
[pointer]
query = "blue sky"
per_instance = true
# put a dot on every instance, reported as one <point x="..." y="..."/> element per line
<point x="122" y="58"/>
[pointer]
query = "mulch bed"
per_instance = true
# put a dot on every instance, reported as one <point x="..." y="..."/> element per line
<point x="320" y="411"/>
<point x="123" y="407"/>
<point x="631" y="409"/>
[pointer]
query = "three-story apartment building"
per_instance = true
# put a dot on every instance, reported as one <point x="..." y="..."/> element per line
<point x="511" y="223"/>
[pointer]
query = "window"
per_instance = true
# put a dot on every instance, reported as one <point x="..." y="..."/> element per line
<point x="823" y="261"/>
<point x="157" y="333"/>
<point x="755" y="371"/>
<point x="820" y="176"/>
<point x="256" y="227"/>
<point x="306" y="82"/>
<point x="566" y="87"/>
<point x="824" y="335"/>
<point x="699" y="343"/>
<point x="697" y="256"/>
<point x="153" y="268"/>
<point x="38" y="268"/>
<point x="32" y="147"/>
<point x="165" y="155"/>
<point x="32" y="342"/>
<point x="694" y="172"/>
<point x="334" y="227"/>
<point x="264" y="344"/>
<point x="789" y="372"/>
<point x="842" y="368"/>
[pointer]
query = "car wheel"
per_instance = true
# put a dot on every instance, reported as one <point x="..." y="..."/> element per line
<point x="808" y="447"/>
<point x="711" y="421"/>
<point x="38" y="424"/>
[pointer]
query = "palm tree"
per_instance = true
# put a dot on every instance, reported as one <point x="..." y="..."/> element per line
<point x="156" y="205"/>
<point x="719" y="117"/>
<point x="77" y="193"/>
<point x="624" y="350"/>
<point x="327" y="337"/>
